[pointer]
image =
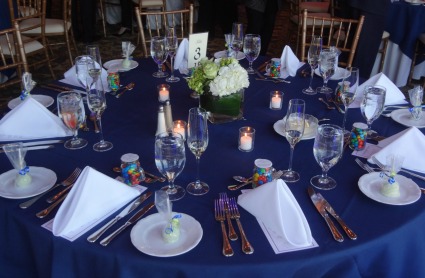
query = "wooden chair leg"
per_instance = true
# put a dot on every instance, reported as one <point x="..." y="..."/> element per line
<point x="412" y="66"/>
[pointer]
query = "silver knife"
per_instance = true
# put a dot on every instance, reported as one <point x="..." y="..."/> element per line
<point x="36" y="148"/>
<point x="36" y="143"/>
<point x="344" y="226"/>
<point x="132" y="220"/>
<point x="320" y="206"/>
<point x="128" y="209"/>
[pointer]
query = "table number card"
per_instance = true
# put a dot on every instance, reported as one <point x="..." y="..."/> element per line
<point x="197" y="48"/>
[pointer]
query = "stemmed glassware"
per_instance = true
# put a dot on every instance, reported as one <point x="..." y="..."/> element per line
<point x="170" y="158"/>
<point x="327" y="68"/>
<point x="251" y="48"/>
<point x="349" y="91"/>
<point x="372" y="104"/>
<point x="313" y="60"/>
<point x="71" y="111"/>
<point x="159" y="55"/>
<point x="97" y="104"/>
<point x="229" y="40"/>
<point x="294" y="130"/>
<point x="327" y="150"/>
<point x="197" y="141"/>
<point x="171" y="45"/>
<point x="81" y="69"/>
<point x="238" y="35"/>
<point x="95" y="67"/>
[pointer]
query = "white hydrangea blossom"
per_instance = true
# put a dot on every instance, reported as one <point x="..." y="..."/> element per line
<point x="230" y="79"/>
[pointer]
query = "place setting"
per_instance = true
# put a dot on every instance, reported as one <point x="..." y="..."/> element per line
<point x="126" y="63"/>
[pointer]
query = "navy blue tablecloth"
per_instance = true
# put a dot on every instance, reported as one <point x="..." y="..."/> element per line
<point x="391" y="239"/>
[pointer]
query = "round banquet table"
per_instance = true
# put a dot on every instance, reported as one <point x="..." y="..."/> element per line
<point x="391" y="239"/>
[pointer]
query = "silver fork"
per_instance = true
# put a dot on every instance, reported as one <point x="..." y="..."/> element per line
<point x="382" y="166"/>
<point x="364" y="166"/>
<point x="68" y="181"/>
<point x="219" y="216"/>
<point x="234" y="212"/>
<point x="224" y="202"/>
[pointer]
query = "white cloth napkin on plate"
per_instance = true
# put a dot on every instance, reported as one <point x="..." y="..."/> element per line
<point x="31" y="120"/>
<point x="71" y="79"/>
<point x="93" y="197"/>
<point x="409" y="143"/>
<point x="180" y="61"/>
<point x="289" y="63"/>
<point x="393" y="95"/>
<point x="274" y="205"/>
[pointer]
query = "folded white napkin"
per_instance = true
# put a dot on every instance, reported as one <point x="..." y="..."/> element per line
<point x="93" y="197"/>
<point x="275" y="206"/>
<point x="180" y="61"/>
<point x="289" y="63"/>
<point x="392" y="96"/>
<point x="71" y="78"/>
<point x="409" y="143"/>
<point x="31" y="120"/>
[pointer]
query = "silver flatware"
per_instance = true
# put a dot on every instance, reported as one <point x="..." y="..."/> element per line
<point x="327" y="104"/>
<point x="34" y="148"/>
<point x="224" y="202"/>
<point x="241" y="179"/>
<point x="320" y="206"/>
<point x="330" y="100"/>
<point x="132" y="220"/>
<point x="382" y="167"/>
<point x="275" y="175"/>
<point x="129" y="87"/>
<point x="127" y="210"/>
<point x="234" y="212"/>
<point x="59" y="194"/>
<point x="219" y="216"/>
<point x="37" y="143"/>
<point x="49" y="209"/>
<point x="156" y="178"/>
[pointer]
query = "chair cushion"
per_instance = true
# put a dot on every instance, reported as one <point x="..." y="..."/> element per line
<point x="315" y="7"/>
<point x="149" y="3"/>
<point x="29" y="46"/>
<point x="53" y="26"/>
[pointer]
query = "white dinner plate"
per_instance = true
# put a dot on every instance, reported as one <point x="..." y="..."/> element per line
<point x="44" y="100"/>
<point x="42" y="180"/>
<point x="310" y="128"/>
<point x="146" y="236"/>
<point x="370" y="184"/>
<point x="117" y="64"/>
<point x="223" y="54"/>
<point x="404" y="117"/>
<point x="339" y="74"/>
<point x="415" y="2"/>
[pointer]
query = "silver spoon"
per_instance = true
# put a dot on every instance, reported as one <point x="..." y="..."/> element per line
<point x="327" y="104"/>
<point x="241" y="179"/>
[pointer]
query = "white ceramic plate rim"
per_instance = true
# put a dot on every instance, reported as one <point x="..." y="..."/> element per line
<point x="415" y="2"/>
<point x="118" y="65"/>
<point x="46" y="101"/>
<point x="146" y="236"/>
<point x="279" y="127"/>
<point x="403" y="116"/>
<point x="222" y="54"/>
<point x="42" y="180"/>
<point x="370" y="185"/>
<point x="339" y="73"/>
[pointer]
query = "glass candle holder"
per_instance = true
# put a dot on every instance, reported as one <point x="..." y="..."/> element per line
<point x="179" y="126"/>
<point x="276" y="98"/>
<point x="163" y="92"/>
<point x="246" y="139"/>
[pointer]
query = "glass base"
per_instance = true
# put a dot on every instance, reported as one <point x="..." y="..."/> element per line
<point x="159" y="74"/>
<point x="324" y="90"/>
<point x="323" y="183"/>
<point x="290" y="176"/>
<point x="175" y="193"/>
<point x="172" y="79"/>
<point x="250" y="70"/>
<point x="194" y="95"/>
<point x="309" y="91"/>
<point x="103" y="146"/>
<point x="197" y="189"/>
<point x="77" y="144"/>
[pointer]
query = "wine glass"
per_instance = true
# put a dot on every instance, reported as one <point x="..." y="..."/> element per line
<point x="97" y="104"/>
<point x="372" y="104"/>
<point x="327" y="68"/>
<point x="170" y="158"/>
<point x="313" y="60"/>
<point x="81" y="69"/>
<point x="349" y="91"/>
<point x="94" y="67"/>
<point x="294" y="130"/>
<point x="229" y="40"/>
<point x="159" y="55"/>
<point x="171" y="45"/>
<point x="251" y="48"/>
<point x="327" y="150"/>
<point x="197" y="141"/>
<point x="237" y="42"/>
<point x="71" y="111"/>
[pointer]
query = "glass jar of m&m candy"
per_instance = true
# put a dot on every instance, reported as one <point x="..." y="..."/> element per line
<point x="262" y="172"/>
<point x="358" y="136"/>
<point x="131" y="171"/>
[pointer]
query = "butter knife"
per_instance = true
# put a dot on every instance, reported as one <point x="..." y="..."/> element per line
<point x="320" y="206"/>
<point x="344" y="226"/>
<point x="36" y="148"/>
<point x="128" y="209"/>
<point x="132" y="220"/>
<point x="36" y="143"/>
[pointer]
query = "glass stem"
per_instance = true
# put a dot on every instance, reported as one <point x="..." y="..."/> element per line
<point x="311" y="78"/>
<point x="324" y="174"/>
<point x="160" y="68"/>
<point x="250" y="65"/>
<point x="99" y="123"/>
<point x="172" y="67"/>
<point x="198" y="181"/>
<point x="345" y="117"/>
<point x="290" y="158"/>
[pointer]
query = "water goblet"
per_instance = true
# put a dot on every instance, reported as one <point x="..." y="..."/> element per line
<point x="313" y="60"/>
<point x="327" y="150"/>
<point x="251" y="48"/>
<point x="372" y="104"/>
<point x="197" y="141"/>
<point x="159" y="55"/>
<point x="71" y="111"/>
<point x="238" y="34"/>
<point x="170" y="158"/>
<point x="294" y="130"/>
<point x="348" y="92"/>
<point x="327" y="68"/>
<point x="171" y="45"/>
<point x="229" y="40"/>
<point x="81" y="69"/>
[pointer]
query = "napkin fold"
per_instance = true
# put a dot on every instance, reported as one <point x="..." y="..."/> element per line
<point x="275" y="206"/>
<point x="180" y="61"/>
<point x="409" y="143"/>
<point x="93" y="197"/>
<point x="71" y="78"/>
<point x="31" y="120"/>
<point x="289" y="63"/>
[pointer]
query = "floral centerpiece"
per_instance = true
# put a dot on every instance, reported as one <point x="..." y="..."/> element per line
<point x="220" y="85"/>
